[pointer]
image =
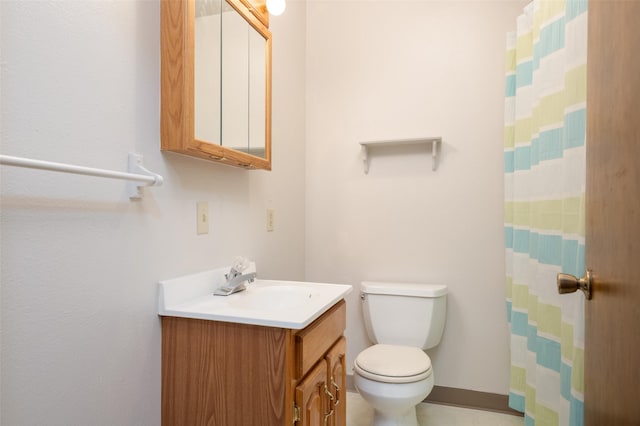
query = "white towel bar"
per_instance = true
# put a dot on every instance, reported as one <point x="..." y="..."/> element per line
<point x="137" y="172"/>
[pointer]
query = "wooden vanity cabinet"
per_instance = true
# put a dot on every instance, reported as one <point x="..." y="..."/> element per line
<point x="228" y="374"/>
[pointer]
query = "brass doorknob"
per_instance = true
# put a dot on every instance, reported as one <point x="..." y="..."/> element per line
<point x="569" y="284"/>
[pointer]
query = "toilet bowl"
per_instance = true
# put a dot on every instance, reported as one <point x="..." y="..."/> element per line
<point x="395" y="374"/>
<point x="393" y="380"/>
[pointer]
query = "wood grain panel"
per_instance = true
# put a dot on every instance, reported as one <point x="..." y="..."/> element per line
<point x="216" y="373"/>
<point x="613" y="214"/>
<point x="316" y="339"/>
<point x="176" y="74"/>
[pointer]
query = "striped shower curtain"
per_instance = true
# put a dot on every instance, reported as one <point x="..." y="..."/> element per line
<point x="544" y="160"/>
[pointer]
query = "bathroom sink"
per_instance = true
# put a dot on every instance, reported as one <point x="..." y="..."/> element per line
<point x="287" y="304"/>
<point x="274" y="296"/>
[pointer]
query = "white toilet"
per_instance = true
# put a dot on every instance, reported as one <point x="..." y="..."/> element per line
<point x="395" y="374"/>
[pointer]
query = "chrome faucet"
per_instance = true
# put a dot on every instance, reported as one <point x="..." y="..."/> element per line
<point x="236" y="280"/>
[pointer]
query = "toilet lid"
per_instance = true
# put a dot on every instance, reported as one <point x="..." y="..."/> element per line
<point x="393" y="364"/>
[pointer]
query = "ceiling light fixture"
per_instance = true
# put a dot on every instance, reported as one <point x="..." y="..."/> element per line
<point x="276" y="7"/>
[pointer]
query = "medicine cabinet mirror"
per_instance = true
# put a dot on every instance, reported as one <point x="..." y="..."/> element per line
<point x="216" y="81"/>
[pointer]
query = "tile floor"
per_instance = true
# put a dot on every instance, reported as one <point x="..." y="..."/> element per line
<point x="360" y="414"/>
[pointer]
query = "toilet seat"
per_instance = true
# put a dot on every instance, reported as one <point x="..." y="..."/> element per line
<point x="393" y="364"/>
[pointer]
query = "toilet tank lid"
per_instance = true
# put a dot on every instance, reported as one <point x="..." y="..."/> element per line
<point x="403" y="289"/>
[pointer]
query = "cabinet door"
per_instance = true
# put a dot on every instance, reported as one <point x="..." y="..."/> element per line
<point x="337" y="379"/>
<point x="311" y="397"/>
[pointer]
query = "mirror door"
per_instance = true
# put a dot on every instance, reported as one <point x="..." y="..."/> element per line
<point x="216" y="82"/>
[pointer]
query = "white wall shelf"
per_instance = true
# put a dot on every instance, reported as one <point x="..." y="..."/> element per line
<point x="434" y="141"/>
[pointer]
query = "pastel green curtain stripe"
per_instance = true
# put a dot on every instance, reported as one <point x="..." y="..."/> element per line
<point x="519" y="296"/>
<point x="532" y="307"/>
<point x="575" y="85"/>
<point x="548" y="11"/>
<point x="546" y="416"/>
<point x="518" y="379"/>
<point x="524" y="48"/>
<point x="577" y="371"/>
<point x="510" y="61"/>
<point x="509" y="213"/>
<point x="530" y="401"/>
<point x="549" y="319"/>
<point x="563" y="215"/>
<point x="509" y="136"/>
<point x="523" y="131"/>
<point x="567" y="340"/>
<point x="549" y="111"/>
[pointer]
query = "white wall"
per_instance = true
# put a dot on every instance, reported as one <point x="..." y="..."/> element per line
<point x="80" y="339"/>
<point x="79" y="261"/>
<point x="380" y="70"/>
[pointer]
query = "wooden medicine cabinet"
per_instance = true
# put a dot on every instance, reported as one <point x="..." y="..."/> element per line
<point x="216" y="81"/>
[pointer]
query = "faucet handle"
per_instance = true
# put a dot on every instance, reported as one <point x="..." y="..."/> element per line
<point x="239" y="264"/>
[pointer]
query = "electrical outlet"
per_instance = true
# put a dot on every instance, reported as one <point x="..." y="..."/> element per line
<point x="269" y="220"/>
<point x="202" y="219"/>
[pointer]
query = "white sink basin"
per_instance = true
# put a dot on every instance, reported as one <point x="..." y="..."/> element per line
<point x="269" y="296"/>
<point x="287" y="304"/>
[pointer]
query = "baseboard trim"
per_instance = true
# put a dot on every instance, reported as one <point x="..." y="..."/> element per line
<point x="463" y="398"/>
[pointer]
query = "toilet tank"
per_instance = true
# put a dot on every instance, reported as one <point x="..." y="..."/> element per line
<point x="404" y="314"/>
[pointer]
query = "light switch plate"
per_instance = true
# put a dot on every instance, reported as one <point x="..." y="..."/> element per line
<point x="269" y="220"/>
<point x="202" y="217"/>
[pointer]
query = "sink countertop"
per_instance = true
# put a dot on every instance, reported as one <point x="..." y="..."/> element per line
<point x="272" y="303"/>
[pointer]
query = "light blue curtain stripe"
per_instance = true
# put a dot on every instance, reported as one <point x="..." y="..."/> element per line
<point x="521" y="240"/>
<point x="547" y="249"/>
<point x="510" y="86"/>
<point x="575" y="128"/>
<point x="576" y="413"/>
<point x="548" y="353"/>
<point x="551" y="40"/>
<point x="516" y="401"/>
<point x="565" y="381"/>
<point x="508" y="162"/>
<point x="575" y="8"/>
<point x="551" y="144"/>
<point x="508" y="237"/>
<point x="519" y="323"/>
<point x="524" y="74"/>
<point x="522" y="158"/>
